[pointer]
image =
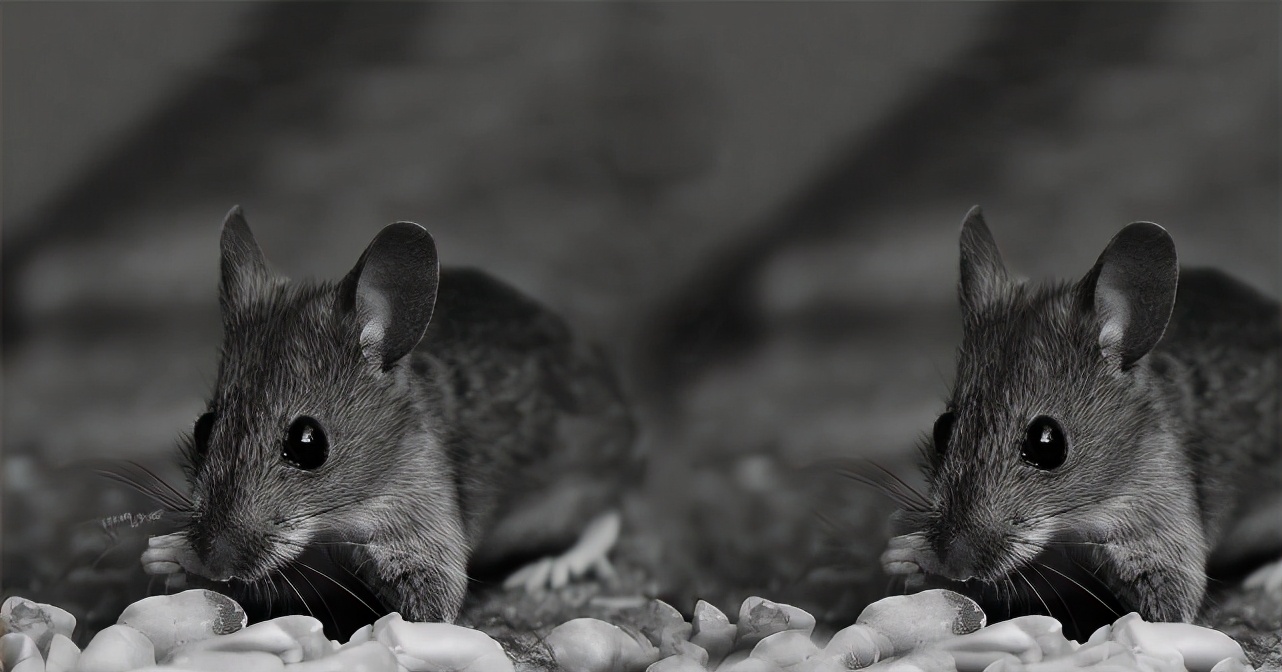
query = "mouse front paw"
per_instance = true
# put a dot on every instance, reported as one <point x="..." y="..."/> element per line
<point x="588" y="556"/>
<point x="907" y="554"/>
<point x="169" y="554"/>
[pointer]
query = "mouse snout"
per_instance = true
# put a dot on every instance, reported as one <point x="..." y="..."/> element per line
<point x="975" y="552"/>
<point x="230" y="554"/>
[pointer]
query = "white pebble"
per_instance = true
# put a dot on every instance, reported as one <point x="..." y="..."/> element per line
<point x="857" y="646"/>
<point x="591" y="645"/>
<point x="18" y="652"/>
<point x="918" y="661"/>
<point x="117" y="648"/>
<point x="173" y="621"/>
<point x="1016" y="637"/>
<point x="712" y="631"/>
<point x="290" y="638"/>
<point x="786" y="648"/>
<point x="361" y="657"/>
<point x="427" y="647"/>
<point x="759" y="618"/>
<point x="678" y="664"/>
<point x="750" y="665"/>
<point x="1198" y="649"/>
<point x="1232" y="665"/>
<point x="38" y="621"/>
<point x="910" y="621"/>
<point x="362" y="634"/>
<point x="226" y="661"/>
<point x="63" y="654"/>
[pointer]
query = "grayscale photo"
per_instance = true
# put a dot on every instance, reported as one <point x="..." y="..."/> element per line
<point x="739" y="336"/>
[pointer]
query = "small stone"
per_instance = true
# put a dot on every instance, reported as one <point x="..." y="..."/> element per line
<point x="692" y="650"/>
<point x="63" y="654"/>
<point x="759" y="618"/>
<point x="38" y="621"/>
<point x="712" y="631"/>
<point x="1197" y="648"/>
<point x="857" y="646"/>
<point x="918" y="661"/>
<point x="117" y="648"/>
<point x="1231" y="665"/>
<point x="681" y="664"/>
<point x="786" y="648"/>
<point x="1095" y="653"/>
<point x="19" y="653"/>
<point x="427" y="647"/>
<point x="591" y="645"/>
<point x="209" y="660"/>
<point x="750" y="665"/>
<point x="660" y="621"/>
<point x="363" y="656"/>
<point x="172" y="621"/>
<point x="1012" y="637"/>
<point x="363" y="634"/>
<point x="981" y="661"/>
<point x="279" y="637"/>
<point x="308" y="632"/>
<point x="910" y="621"/>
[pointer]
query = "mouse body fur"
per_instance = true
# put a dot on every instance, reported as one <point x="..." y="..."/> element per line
<point x="1131" y="423"/>
<point x="446" y="401"/>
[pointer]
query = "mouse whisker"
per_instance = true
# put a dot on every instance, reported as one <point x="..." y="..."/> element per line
<point x="1068" y="608"/>
<point x="153" y="477"/>
<point x="294" y="588"/>
<point x="340" y="585"/>
<point x="1088" y="590"/>
<point x="1070" y="509"/>
<point x="308" y="515"/>
<point x="889" y="489"/>
<point x="162" y="498"/>
<point x="318" y="593"/>
<point x="1036" y="593"/>
<point x="904" y="486"/>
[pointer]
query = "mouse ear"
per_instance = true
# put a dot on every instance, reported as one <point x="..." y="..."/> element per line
<point x="1132" y="291"/>
<point x="243" y="267"/>
<point x="982" y="271"/>
<point x="392" y="290"/>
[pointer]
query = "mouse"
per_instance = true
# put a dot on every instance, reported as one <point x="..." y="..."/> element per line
<point x="1128" y="419"/>
<point x="410" y="423"/>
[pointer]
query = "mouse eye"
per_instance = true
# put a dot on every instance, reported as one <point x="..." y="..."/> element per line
<point x="943" y="431"/>
<point x="200" y="434"/>
<point x="1045" y="446"/>
<point x="306" y="446"/>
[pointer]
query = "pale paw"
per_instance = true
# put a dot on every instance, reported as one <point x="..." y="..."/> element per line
<point x="905" y="554"/>
<point x="1267" y="578"/>
<point x="588" y="557"/>
<point x="169" y="554"/>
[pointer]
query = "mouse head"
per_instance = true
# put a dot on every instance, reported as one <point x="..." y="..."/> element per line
<point x="1053" y="424"/>
<point x="307" y="426"/>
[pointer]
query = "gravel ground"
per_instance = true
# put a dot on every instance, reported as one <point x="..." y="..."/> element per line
<point x="753" y="206"/>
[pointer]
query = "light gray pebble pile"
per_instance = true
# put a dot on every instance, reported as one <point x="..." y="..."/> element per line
<point x="932" y="631"/>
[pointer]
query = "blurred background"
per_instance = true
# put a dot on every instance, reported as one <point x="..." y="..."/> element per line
<point x="754" y="207"/>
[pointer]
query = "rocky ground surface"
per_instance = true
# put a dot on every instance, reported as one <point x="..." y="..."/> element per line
<point x="753" y="207"/>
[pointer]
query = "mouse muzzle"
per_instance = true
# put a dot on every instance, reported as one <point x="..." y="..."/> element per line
<point x="976" y="553"/>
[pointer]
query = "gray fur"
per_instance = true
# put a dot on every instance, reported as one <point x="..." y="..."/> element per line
<point x="1168" y="448"/>
<point x="429" y="451"/>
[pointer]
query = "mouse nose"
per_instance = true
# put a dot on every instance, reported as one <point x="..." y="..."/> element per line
<point x="222" y="560"/>
<point x="970" y="554"/>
